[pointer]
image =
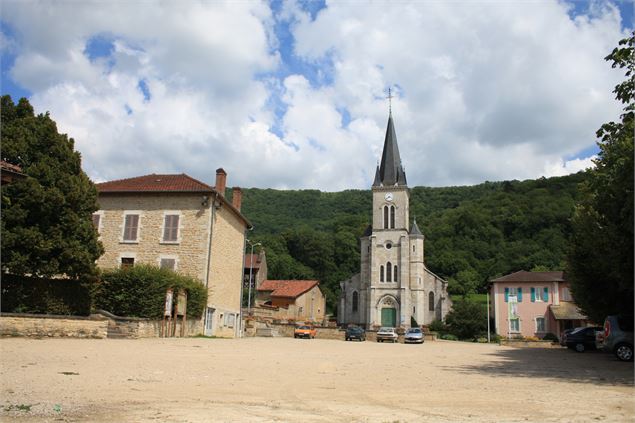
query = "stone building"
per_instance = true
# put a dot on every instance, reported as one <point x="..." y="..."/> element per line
<point x="256" y="267"/>
<point x="292" y="299"/>
<point x="394" y="287"/>
<point x="178" y="222"/>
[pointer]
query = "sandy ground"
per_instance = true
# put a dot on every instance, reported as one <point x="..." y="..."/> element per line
<point x="293" y="380"/>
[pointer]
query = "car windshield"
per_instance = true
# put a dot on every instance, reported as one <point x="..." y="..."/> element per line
<point x="385" y="329"/>
<point x="304" y="327"/>
<point x="414" y="330"/>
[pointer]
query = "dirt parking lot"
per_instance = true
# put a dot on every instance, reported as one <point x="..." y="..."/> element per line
<point x="292" y="380"/>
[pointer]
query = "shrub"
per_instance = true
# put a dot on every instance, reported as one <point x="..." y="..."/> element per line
<point x="438" y="326"/>
<point x="449" y="337"/>
<point x="531" y="338"/>
<point x="22" y="294"/>
<point x="139" y="291"/>
<point x="550" y="337"/>
<point x="467" y="318"/>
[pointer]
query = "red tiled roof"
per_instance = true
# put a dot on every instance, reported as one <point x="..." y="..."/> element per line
<point x="252" y="259"/>
<point x="524" y="276"/>
<point x="155" y="183"/>
<point x="11" y="167"/>
<point x="287" y="288"/>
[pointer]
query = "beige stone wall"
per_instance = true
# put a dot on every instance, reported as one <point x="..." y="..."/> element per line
<point x="226" y="271"/>
<point x="310" y="299"/>
<point x="41" y="326"/>
<point x="189" y="252"/>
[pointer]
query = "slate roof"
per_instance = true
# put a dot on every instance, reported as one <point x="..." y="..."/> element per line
<point x="287" y="288"/>
<point x="524" y="276"/>
<point x="155" y="183"/>
<point x="390" y="169"/>
<point x="414" y="229"/>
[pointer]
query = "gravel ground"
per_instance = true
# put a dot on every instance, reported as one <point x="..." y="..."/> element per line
<point x="293" y="380"/>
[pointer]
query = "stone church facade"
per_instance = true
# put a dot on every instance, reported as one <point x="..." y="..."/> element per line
<point x="394" y="286"/>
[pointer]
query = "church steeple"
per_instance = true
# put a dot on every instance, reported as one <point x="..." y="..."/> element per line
<point x="390" y="170"/>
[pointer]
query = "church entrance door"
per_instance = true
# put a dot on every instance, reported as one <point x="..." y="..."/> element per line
<point x="389" y="317"/>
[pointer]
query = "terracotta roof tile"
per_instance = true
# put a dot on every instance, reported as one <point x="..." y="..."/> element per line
<point x="10" y="167"/>
<point x="155" y="183"/>
<point x="524" y="276"/>
<point x="252" y="258"/>
<point x="287" y="288"/>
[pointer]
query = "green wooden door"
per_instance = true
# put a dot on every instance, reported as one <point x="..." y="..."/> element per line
<point x="389" y="317"/>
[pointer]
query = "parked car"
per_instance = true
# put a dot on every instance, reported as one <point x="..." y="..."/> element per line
<point x="563" y="336"/>
<point x="305" y="331"/>
<point x="618" y="337"/>
<point x="413" y="335"/>
<point x="582" y="339"/>
<point x="355" y="332"/>
<point x="387" y="334"/>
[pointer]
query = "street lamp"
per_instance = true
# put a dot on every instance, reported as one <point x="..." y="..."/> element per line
<point x="251" y="269"/>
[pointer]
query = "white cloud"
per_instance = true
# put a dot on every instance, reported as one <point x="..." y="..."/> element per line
<point x="485" y="91"/>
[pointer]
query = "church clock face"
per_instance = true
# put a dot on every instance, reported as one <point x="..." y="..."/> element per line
<point x="388" y="196"/>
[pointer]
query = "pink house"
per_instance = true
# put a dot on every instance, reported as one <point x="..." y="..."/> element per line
<point x="533" y="304"/>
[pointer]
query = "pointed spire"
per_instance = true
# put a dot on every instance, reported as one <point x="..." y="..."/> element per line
<point x="391" y="171"/>
<point x="377" y="181"/>
<point x="414" y="229"/>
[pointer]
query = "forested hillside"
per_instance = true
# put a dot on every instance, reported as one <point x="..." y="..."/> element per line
<point x="472" y="233"/>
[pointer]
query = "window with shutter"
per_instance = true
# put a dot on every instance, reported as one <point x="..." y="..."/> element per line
<point x="168" y="263"/>
<point x="131" y="227"/>
<point x="171" y="228"/>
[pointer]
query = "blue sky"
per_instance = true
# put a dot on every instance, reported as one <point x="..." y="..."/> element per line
<point x="292" y="94"/>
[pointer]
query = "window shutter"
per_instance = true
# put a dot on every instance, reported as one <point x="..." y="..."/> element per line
<point x="533" y="294"/>
<point x="545" y="294"/>
<point x="520" y="295"/>
<point x="506" y="294"/>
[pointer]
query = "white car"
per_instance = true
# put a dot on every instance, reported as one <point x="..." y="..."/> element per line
<point x="413" y="335"/>
<point x="387" y="334"/>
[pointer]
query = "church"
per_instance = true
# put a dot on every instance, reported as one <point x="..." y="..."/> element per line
<point x="394" y="287"/>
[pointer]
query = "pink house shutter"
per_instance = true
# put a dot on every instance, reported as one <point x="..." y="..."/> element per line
<point x="533" y="294"/>
<point x="520" y="295"/>
<point x="545" y="294"/>
<point x="506" y="294"/>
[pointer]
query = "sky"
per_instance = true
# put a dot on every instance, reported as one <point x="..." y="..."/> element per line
<point x="293" y="94"/>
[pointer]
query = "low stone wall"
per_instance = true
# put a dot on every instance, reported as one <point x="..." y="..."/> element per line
<point x="529" y="344"/>
<point x="96" y="326"/>
<point x="36" y="325"/>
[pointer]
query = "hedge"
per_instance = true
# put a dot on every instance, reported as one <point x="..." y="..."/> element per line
<point x="22" y="294"/>
<point x="139" y="291"/>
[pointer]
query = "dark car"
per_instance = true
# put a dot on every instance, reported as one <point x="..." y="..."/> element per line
<point x="582" y="339"/>
<point x="355" y="332"/>
<point x="618" y="337"/>
<point x="563" y="337"/>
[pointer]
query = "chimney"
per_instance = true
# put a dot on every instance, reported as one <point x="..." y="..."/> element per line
<point x="237" y="197"/>
<point x="221" y="180"/>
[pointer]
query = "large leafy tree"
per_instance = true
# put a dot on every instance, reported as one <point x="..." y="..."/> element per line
<point x="46" y="217"/>
<point x="600" y="260"/>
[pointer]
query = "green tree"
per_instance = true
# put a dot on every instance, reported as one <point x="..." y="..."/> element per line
<point x="46" y="217"/>
<point x="600" y="259"/>
<point x="467" y="319"/>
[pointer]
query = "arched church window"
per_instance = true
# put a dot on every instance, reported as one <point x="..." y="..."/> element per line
<point x="385" y="217"/>
<point x="355" y="301"/>
<point x="381" y="273"/>
<point x="389" y="272"/>
<point x="413" y="248"/>
<point x="431" y="301"/>
<point x="392" y="217"/>
<point x="396" y="272"/>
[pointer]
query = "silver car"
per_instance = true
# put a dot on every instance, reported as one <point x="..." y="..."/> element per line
<point x="387" y="334"/>
<point x="413" y="335"/>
